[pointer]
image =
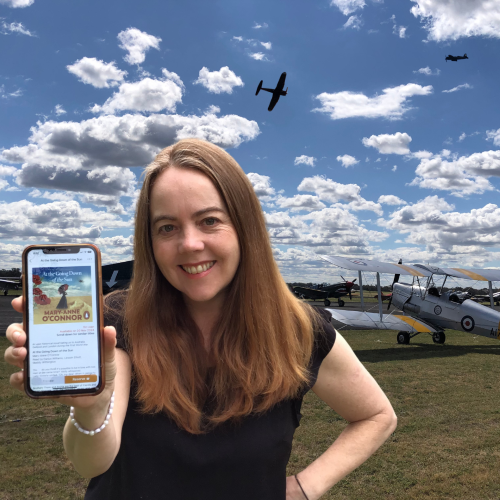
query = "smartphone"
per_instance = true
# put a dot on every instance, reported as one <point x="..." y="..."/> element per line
<point x="63" y="320"/>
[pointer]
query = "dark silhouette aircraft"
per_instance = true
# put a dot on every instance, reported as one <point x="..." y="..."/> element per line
<point x="455" y="58"/>
<point x="323" y="292"/>
<point x="277" y="92"/>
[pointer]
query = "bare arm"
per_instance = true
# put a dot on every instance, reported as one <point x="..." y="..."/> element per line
<point x="93" y="455"/>
<point x="347" y="387"/>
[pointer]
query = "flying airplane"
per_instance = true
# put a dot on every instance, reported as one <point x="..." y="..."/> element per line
<point x="277" y="92"/>
<point x="455" y="58"/>
<point x="426" y="309"/>
<point x="323" y="292"/>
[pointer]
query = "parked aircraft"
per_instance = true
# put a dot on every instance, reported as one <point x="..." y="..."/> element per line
<point x="8" y="283"/>
<point x="277" y="92"/>
<point x="323" y="292"/>
<point x="426" y="309"/>
<point x="487" y="298"/>
<point x="455" y="58"/>
<point x="116" y="276"/>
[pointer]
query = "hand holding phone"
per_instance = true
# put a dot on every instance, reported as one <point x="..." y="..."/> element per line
<point x="63" y="320"/>
<point x="15" y="355"/>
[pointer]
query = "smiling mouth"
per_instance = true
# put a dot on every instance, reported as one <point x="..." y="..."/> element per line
<point x="198" y="269"/>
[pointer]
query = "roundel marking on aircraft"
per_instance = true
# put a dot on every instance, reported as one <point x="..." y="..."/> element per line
<point x="438" y="310"/>
<point x="468" y="323"/>
<point x="359" y="262"/>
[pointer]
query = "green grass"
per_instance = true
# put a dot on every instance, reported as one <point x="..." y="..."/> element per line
<point x="446" y="446"/>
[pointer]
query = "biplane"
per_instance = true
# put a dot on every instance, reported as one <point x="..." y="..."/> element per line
<point x="455" y="58"/>
<point x="277" y="92"/>
<point x="426" y="309"/>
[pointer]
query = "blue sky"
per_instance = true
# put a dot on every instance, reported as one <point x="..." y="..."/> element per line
<point x="381" y="149"/>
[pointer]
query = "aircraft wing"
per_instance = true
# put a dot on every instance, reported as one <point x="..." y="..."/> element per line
<point x="412" y="270"/>
<point x="10" y="281"/>
<point x="389" y="321"/>
<point x="274" y="100"/>
<point x="376" y="266"/>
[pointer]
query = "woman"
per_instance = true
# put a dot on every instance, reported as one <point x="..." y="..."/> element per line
<point x="213" y="356"/>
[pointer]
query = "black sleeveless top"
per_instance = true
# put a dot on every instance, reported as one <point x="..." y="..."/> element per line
<point x="157" y="460"/>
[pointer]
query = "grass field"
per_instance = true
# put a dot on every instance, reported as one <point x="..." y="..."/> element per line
<point x="446" y="446"/>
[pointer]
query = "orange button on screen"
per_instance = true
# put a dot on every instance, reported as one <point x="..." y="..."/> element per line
<point x="80" y="379"/>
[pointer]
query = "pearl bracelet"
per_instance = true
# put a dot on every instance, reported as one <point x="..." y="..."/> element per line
<point x="99" y="429"/>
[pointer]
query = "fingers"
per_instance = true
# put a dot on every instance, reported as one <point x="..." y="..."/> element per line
<point x="109" y="352"/>
<point x="17" y="304"/>
<point x="15" y="354"/>
<point x="17" y="381"/>
<point x="15" y="334"/>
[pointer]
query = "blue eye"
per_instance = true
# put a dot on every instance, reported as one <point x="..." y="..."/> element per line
<point x="167" y="227"/>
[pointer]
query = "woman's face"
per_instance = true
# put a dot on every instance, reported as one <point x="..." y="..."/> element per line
<point x="194" y="241"/>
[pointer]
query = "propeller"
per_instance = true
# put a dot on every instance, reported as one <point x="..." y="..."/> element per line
<point x="349" y="285"/>
<point x="396" y="279"/>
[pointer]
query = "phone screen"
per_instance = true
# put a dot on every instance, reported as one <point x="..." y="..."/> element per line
<point x="63" y="321"/>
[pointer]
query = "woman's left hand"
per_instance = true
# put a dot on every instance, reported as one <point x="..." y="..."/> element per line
<point x="293" y="491"/>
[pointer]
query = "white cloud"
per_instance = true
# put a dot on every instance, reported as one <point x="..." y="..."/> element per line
<point x="394" y="168"/>
<point x="259" y="26"/>
<point x="348" y="6"/>
<point x="59" y="221"/>
<point x="427" y="71"/>
<point x="262" y="186"/>
<point x="463" y="176"/>
<point x="422" y="154"/>
<point x="448" y="20"/>
<point x="433" y="223"/>
<point x="353" y="22"/>
<point x="220" y="81"/>
<point x="17" y="3"/>
<point x="402" y="31"/>
<point x="347" y="160"/>
<point x="6" y="171"/>
<point x="493" y="135"/>
<point x="58" y="110"/>
<point x="8" y="28"/>
<point x="390" y="199"/>
<point x="144" y="95"/>
<point x="301" y="202"/>
<point x="238" y="38"/>
<point x="389" y="144"/>
<point x="306" y="160"/>
<point x="266" y="45"/>
<point x="56" y="148"/>
<point x="137" y="43"/>
<point x="97" y="73"/>
<point x="459" y="87"/>
<point x="329" y="190"/>
<point x="463" y="135"/>
<point x="391" y="104"/>
<point x="333" y="192"/>
<point x="258" y="56"/>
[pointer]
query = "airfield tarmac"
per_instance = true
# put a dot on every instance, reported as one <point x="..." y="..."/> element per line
<point x="8" y="315"/>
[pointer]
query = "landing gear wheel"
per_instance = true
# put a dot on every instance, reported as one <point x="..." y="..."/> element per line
<point x="438" y="337"/>
<point x="327" y="302"/>
<point x="341" y="303"/>
<point x="403" y="338"/>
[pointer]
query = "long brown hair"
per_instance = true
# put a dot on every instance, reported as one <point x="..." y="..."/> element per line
<point x="263" y="340"/>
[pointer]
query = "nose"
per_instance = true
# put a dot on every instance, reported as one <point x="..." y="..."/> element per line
<point x="191" y="240"/>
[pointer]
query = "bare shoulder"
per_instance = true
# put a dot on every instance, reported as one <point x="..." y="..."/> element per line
<point x="346" y="386"/>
